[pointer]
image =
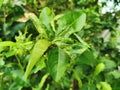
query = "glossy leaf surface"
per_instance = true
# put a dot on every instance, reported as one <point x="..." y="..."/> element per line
<point x="70" y="23"/>
<point x="57" y="63"/>
<point x="38" y="50"/>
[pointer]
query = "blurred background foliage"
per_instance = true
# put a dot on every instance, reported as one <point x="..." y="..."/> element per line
<point x="101" y="32"/>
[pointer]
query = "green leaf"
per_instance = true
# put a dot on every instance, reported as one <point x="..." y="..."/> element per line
<point x="46" y="16"/>
<point x="18" y="77"/>
<point x="70" y="23"/>
<point x="116" y="74"/>
<point x="77" y="49"/>
<point x="57" y="63"/>
<point x="2" y="62"/>
<point x="109" y="64"/>
<point x="37" y="24"/>
<point x="1" y="2"/>
<point x="10" y="53"/>
<point x="88" y="86"/>
<point x="86" y="58"/>
<point x="43" y="81"/>
<point x="66" y="81"/>
<point x="76" y="75"/>
<point x="38" y="50"/>
<point x="1" y="48"/>
<point x="40" y="65"/>
<point x="48" y="87"/>
<point x="99" y="68"/>
<point x="104" y="86"/>
<point x="7" y="43"/>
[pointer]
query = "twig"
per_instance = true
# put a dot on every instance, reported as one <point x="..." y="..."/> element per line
<point x="18" y="60"/>
<point x="4" y="24"/>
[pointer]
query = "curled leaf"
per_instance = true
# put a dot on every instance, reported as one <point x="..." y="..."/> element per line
<point x="37" y="24"/>
<point x="99" y="68"/>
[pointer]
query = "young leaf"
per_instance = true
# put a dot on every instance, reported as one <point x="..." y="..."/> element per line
<point x="57" y="63"/>
<point x="7" y="43"/>
<point x="46" y="16"/>
<point x="37" y="24"/>
<point x="99" y="68"/>
<point x="104" y="86"/>
<point x="43" y="80"/>
<point x="38" y="50"/>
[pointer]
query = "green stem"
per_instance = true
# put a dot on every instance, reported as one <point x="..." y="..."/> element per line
<point x="19" y="62"/>
<point x="84" y="43"/>
<point x="1" y="81"/>
<point x="4" y="23"/>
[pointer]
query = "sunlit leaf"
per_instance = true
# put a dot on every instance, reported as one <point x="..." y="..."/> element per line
<point x="40" y="65"/>
<point x="46" y="16"/>
<point x="2" y="62"/>
<point x="104" y="86"/>
<point x="116" y="74"/>
<point x="70" y="23"/>
<point x="99" y="68"/>
<point x="38" y="50"/>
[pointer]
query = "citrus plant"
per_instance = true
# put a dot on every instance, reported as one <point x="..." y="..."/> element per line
<point x="58" y="48"/>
